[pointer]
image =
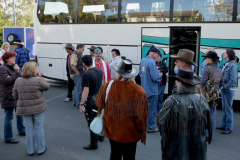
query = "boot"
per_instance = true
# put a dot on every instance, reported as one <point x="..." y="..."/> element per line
<point x="93" y="142"/>
<point x="101" y="138"/>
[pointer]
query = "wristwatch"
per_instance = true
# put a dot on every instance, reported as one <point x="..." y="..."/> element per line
<point x="82" y="104"/>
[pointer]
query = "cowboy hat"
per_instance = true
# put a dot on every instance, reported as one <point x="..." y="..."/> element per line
<point x="70" y="46"/>
<point x="186" y="76"/>
<point x="125" y="69"/>
<point x="185" y="55"/>
<point x="212" y="55"/>
<point x="92" y="48"/>
<point x="18" y="42"/>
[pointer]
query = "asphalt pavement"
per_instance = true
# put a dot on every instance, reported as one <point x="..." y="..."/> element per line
<point x="66" y="132"/>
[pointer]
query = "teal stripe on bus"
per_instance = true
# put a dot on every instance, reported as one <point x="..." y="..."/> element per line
<point x="152" y="39"/>
<point x="225" y="43"/>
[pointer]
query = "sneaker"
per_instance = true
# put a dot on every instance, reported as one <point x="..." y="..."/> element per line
<point x="152" y="130"/>
<point x="68" y="99"/>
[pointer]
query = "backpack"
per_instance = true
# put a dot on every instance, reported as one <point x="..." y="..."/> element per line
<point x="209" y="91"/>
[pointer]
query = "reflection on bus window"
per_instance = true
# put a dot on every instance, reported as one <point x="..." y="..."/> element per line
<point x="238" y="11"/>
<point x="97" y="11"/>
<point x="202" y="10"/>
<point x="56" y="11"/>
<point x="145" y="11"/>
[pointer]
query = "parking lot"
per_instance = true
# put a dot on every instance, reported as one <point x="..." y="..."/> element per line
<point x="66" y="132"/>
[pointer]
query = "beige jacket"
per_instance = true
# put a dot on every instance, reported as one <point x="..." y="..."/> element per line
<point x="29" y="95"/>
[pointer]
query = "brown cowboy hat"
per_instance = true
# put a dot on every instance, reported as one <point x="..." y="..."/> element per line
<point x="185" y="55"/>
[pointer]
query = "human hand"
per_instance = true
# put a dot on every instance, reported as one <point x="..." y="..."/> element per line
<point x="82" y="109"/>
<point x="16" y="68"/>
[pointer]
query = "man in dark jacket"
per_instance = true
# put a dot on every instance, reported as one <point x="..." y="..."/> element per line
<point x="183" y="119"/>
<point x="162" y="68"/>
<point x="69" y="49"/>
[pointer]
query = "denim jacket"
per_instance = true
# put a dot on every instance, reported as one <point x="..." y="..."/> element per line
<point x="230" y="74"/>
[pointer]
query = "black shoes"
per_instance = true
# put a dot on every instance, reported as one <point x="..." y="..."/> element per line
<point x="43" y="151"/>
<point x="90" y="147"/>
<point x="93" y="142"/>
<point x="12" y="141"/>
<point x="226" y="132"/>
<point x="22" y="134"/>
<point x="220" y="128"/>
<point x="101" y="138"/>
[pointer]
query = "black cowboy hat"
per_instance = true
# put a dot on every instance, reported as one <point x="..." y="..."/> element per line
<point x="18" y="42"/>
<point x="186" y="76"/>
<point x="125" y="69"/>
<point x="212" y="55"/>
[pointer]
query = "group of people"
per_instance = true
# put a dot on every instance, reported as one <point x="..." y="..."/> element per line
<point x="21" y="87"/>
<point x="186" y="119"/>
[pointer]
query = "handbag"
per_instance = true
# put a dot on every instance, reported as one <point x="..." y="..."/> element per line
<point x="97" y="124"/>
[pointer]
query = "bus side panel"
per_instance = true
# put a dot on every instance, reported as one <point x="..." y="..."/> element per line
<point x="51" y="67"/>
<point x="50" y="51"/>
<point x="129" y="52"/>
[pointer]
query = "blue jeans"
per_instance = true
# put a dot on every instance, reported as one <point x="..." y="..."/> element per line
<point x="152" y="105"/>
<point x="34" y="131"/>
<point x="161" y="89"/>
<point x="8" y="134"/>
<point x="213" y="116"/>
<point x="77" y="93"/>
<point x="227" y="109"/>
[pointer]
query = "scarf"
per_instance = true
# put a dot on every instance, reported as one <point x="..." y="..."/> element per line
<point x="104" y="69"/>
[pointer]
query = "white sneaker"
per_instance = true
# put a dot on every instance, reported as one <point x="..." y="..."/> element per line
<point x="68" y="99"/>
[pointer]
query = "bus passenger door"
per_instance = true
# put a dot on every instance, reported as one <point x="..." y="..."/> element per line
<point x="183" y="37"/>
<point x="159" y="38"/>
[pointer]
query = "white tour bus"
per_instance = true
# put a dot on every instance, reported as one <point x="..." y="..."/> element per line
<point x="133" y="27"/>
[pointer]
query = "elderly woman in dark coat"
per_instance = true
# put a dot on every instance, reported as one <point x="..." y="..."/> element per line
<point x="9" y="72"/>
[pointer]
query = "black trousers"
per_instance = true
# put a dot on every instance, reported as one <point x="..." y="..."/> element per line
<point x="125" y="150"/>
<point x="70" y="85"/>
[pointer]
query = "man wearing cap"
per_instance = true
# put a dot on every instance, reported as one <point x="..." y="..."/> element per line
<point x="103" y="65"/>
<point x="125" y="114"/>
<point x="92" y="81"/>
<point x="183" y="119"/>
<point x="184" y="59"/>
<point x="76" y="71"/>
<point x="22" y="53"/>
<point x="150" y="77"/>
<point x="91" y="50"/>
<point x="69" y="49"/>
<point x="212" y="72"/>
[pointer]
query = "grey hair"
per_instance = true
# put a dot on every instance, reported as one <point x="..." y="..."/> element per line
<point x="187" y="88"/>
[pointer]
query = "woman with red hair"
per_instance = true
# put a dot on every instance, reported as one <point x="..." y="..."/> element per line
<point x="9" y="72"/>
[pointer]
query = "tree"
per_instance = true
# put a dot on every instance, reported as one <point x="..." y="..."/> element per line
<point x="23" y="10"/>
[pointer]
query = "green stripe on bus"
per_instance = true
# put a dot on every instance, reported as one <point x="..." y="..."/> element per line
<point x="226" y="43"/>
<point x="152" y="39"/>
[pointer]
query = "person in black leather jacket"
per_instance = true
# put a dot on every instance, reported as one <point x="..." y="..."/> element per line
<point x="183" y="119"/>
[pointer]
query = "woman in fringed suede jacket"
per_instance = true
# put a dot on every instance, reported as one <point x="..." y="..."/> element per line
<point x="125" y="114"/>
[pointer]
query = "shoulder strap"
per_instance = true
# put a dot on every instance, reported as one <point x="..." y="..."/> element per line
<point x="108" y="89"/>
